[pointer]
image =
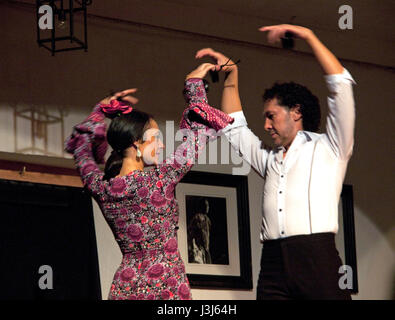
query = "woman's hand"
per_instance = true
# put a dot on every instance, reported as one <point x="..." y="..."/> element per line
<point x="219" y="59"/>
<point x="275" y="33"/>
<point x="201" y="71"/>
<point x="125" y="95"/>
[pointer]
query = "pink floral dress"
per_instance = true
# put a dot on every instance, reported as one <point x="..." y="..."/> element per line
<point x="141" y="208"/>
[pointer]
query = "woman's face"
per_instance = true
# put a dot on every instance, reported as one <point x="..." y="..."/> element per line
<point x="152" y="144"/>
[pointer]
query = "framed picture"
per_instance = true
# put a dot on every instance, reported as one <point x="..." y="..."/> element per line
<point x="345" y="238"/>
<point x="214" y="235"/>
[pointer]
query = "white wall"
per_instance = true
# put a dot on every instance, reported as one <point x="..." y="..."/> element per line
<point x="122" y="56"/>
<point x="376" y="260"/>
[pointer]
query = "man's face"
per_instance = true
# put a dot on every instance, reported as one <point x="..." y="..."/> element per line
<point x="280" y="123"/>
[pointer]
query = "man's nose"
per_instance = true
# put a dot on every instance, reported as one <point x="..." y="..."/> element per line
<point x="267" y="124"/>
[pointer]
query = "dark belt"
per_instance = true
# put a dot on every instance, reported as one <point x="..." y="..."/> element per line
<point x="324" y="237"/>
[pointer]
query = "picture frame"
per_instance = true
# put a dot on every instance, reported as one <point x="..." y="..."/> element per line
<point x="345" y="238"/>
<point x="214" y="235"/>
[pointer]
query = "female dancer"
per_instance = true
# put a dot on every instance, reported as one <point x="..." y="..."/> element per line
<point x="139" y="205"/>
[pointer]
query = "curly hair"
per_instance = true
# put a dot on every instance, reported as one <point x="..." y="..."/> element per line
<point x="289" y="95"/>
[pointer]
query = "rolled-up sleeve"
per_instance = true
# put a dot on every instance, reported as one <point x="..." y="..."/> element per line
<point x="246" y="143"/>
<point x="341" y="114"/>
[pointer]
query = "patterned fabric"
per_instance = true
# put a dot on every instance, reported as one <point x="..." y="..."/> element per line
<point x="195" y="95"/>
<point x="141" y="208"/>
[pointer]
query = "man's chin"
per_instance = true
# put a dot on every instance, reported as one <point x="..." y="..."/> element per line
<point x="277" y="143"/>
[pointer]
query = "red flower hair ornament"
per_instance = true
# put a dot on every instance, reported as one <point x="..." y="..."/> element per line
<point x="116" y="108"/>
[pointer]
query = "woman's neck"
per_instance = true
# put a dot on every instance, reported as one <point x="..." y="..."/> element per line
<point x="130" y="165"/>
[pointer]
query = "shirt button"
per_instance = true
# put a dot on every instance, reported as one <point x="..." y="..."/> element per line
<point x="282" y="176"/>
<point x="281" y="192"/>
<point x="281" y="210"/>
<point x="282" y="232"/>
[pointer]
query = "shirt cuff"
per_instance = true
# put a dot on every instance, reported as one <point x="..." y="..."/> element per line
<point x="333" y="80"/>
<point x="239" y="121"/>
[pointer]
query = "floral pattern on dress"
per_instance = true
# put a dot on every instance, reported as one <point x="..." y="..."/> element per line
<point x="141" y="208"/>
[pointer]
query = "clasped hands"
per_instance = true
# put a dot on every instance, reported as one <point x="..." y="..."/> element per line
<point x="200" y="72"/>
<point x="221" y="62"/>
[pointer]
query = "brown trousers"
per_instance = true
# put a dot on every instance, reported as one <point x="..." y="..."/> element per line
<point x="301" y="267"/>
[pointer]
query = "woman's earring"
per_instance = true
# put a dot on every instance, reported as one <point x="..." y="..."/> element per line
<point x="138" y="153"/>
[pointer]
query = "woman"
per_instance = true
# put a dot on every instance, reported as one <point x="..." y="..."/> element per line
<point x="140" y="206"/>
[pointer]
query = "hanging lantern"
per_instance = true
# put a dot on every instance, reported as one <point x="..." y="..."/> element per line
<point x="56" y="28"/>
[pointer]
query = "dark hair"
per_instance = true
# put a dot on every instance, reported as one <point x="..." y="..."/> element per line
<point x="199" y="205"/>
<point x="122" y="133"/>
<point x="289" y="95"/>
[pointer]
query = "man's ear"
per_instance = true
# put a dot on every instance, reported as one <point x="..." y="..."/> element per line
<point x="296" y="113"/>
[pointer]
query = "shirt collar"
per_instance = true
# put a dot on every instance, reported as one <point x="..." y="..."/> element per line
<point x="301" y="138"/>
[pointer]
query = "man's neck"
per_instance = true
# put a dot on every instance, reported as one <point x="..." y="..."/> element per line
<point x="288" y="145"/>
<point x="286" y="148"/>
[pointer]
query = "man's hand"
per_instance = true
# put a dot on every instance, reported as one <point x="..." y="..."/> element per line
<point x="275" y="33"/>
<point x="218" y="58"/>
<point x="329" y="63"/>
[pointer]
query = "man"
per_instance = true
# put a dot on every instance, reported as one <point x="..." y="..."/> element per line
<point x="303" y="173"/>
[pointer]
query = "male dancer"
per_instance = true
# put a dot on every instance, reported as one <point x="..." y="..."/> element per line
<point x="303" y="173"/>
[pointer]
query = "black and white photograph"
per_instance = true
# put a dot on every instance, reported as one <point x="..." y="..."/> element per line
<point x="207" y="230"/>
<point x="216" y="241"/>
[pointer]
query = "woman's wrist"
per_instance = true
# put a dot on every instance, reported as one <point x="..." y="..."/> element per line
<point x="193" y="79"/>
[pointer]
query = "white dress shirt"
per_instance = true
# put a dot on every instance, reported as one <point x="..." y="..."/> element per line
<point x="301" y="191"/>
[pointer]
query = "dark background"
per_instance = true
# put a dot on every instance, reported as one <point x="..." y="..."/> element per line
<point x="47" y="225"/>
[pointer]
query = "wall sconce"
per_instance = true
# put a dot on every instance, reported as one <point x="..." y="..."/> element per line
<point x="45" y="129"/>
<point x="56" y="30"/>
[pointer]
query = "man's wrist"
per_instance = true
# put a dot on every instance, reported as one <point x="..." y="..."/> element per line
<point x="231" y="78"/>
<point x="310" y="37"/>
<point x="233" y="69"/>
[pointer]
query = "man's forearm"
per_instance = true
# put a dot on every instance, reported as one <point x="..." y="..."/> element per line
<point x="230" y="94"/>
<point x="329" y="63"/>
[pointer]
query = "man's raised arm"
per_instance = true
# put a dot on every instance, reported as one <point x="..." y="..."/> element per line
<point x="230" y="95"/>
<point x="341" y="113"/>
